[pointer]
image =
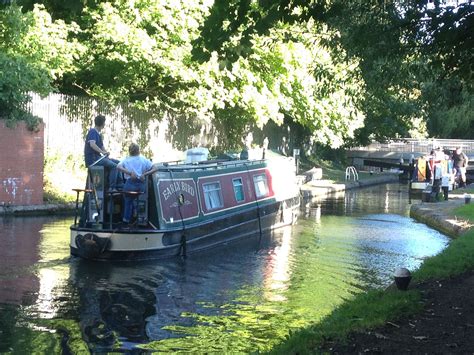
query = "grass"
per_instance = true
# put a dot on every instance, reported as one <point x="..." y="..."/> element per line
<point x="465" y="212"/>
<point x="333" y="171"/>
<point x="376" y="307"/>
<point x="366" y="311"/>
<point x="457" y="258"/>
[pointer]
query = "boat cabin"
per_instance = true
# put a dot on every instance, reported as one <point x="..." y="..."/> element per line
<point x="179" y="193"/>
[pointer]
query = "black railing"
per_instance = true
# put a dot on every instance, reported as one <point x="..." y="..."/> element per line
<point x="206" y="165"/>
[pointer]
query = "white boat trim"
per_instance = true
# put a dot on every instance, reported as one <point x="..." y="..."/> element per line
<point x="123" y="241"/>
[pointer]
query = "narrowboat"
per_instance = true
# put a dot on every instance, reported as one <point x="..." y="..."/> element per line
<point x="187" y="207"/>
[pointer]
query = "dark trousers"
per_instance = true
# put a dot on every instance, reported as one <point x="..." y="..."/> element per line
<point x="136" y="185"/>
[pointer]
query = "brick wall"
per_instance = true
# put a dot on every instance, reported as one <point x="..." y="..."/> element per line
<point x="21" y="165"/>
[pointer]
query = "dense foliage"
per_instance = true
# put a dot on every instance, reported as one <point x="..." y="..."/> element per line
<point x="142" y="52"/>
<point x="344" y="71"/>
<point x="34" y="51"/>
<point x="445" y="37"/>
<point x="415" y="57"/>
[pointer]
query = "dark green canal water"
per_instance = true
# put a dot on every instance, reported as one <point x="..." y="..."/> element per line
<point x="237" y="298"/>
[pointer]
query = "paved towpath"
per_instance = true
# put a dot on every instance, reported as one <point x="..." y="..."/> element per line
<point x="441" y="215"/>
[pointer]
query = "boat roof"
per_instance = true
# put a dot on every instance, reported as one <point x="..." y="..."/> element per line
<point x="207" y="164"/>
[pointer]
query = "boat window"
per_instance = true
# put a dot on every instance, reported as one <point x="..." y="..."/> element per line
<point x="238" y="189"/>
<point x="212" y="195"/>
<point x="261" y="186"/>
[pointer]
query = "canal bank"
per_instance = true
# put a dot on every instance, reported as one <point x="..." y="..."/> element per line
<point x="442" y="216"/>
<point x="433" y="316"/>
<point x="66" y="209"/>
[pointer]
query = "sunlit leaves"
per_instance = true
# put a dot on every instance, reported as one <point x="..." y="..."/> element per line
<point x="51" y="42"/>
<point x="34" y="51"/>
<point x="142" y="51"/>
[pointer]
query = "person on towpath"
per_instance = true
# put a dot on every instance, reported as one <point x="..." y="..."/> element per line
<point x="460" y="161"/>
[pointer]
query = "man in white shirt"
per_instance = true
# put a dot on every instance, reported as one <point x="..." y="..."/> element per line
<point x="136" y="168"/>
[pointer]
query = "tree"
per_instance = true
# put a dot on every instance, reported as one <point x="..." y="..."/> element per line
<point x="399" y="44"/>
<point x="447" y="41"/>
<point x="141" y="52"/>
<point x="346" y="72"/>
<point x="34" y="51"/>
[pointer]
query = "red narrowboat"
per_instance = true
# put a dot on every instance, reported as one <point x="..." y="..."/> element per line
<point x="186" y="208"/>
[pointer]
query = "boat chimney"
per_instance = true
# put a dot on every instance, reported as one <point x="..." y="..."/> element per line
<point x="264" y="147"/>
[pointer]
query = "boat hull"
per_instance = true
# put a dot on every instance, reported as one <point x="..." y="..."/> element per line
<point x="97" y="244"/>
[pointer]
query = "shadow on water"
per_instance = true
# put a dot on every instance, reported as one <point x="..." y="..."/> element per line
<point x="242" y="297"/>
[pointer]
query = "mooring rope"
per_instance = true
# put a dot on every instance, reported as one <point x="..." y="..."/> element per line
<point x="183" y="236"/>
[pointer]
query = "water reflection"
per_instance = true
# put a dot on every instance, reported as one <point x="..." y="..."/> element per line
<point x="33" y="271"/>
<point x="197" y="298"/>
<point x="277" y="268"/>
<point x="18" y="253"/>
<point x="389" y="199"/>
<point x="237" y="298"/>
<point x="111" y="303"/>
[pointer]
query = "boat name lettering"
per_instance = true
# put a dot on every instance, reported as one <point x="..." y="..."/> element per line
<point x="177" y="186"/>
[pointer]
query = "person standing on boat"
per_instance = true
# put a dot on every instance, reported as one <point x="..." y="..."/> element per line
<point x="94" y="150"/>
<point x="136" y="168"/>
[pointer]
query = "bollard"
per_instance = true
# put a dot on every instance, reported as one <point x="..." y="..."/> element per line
<point x="402" y="278"/>
<point x="467" y="198"/>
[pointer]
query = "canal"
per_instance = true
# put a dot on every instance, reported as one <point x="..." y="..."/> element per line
<point x="237" y="298"/>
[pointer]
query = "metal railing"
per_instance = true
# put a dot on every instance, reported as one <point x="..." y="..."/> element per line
<point x="352" y="171"/>
<point x="207" y="165"/>
<point x="420" y="145"/>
